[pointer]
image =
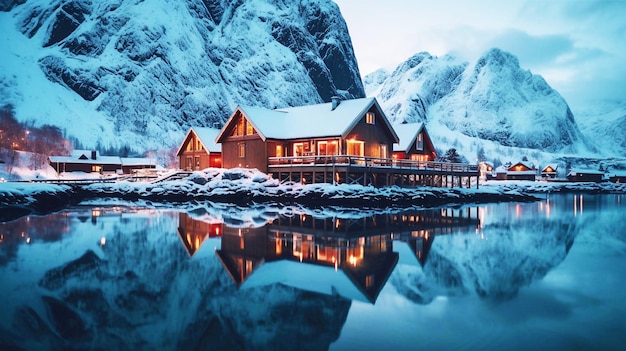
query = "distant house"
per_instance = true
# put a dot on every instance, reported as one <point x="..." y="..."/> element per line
<point x="617" y="176"/>
<point x="415" y="143"/>
<point x="549" y="171"/>
<point x="199" y="150"/>
<point x="585" y="175"/>
<point x="487" y="170"/>
<point x="358" y="127"/>
<point x="518" y="171"/>
<point x="91" y="161"/>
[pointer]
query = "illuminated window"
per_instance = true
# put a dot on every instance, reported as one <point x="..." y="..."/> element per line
<point x="383" y="151"/>
<point x="242" y="150"/>
<point x="96" y="168"/>
<point x="279" y="151"/>
<point x="369" y="281"/>
<point x="298" y="149"/>
<point x="249" y="128"/>
<point x="356" y="148"/>
<point x="419" y="145"/>
<point x="198" y="145"/>
<point x="369" y="118"/>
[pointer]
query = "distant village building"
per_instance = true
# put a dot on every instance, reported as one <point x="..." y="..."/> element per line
<point x="89" y="161"/>
<point x="415" y="143"/>
<point x="617" y="176"/>
<point x="487" y="170"/>
<point x="549" y="171"/>
<point x="518" y="171"/>
<point x="585" y="175"/>
<point x="199" y="150"/>
<point x="358" y="127"/>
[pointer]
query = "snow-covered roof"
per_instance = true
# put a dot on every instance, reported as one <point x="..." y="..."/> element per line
<point x="617" y="173"/>
<point x="207" y="137"/>
<point x="407" y="134"/>
<point x="553" y="166"/>
<point x="576" y="171"/>
<point x="101" y="160"/>
<point x="84" y="153"/>
<point x="305" y="276"/>
<point x="523" y="163"/>
<point x="309" y="121"/>
<point x="138" y="161"/>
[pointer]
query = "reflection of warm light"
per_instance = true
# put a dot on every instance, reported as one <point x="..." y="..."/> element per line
<point x="103" y="241"/>
<point x="352" y="260"/>
<point x="197" y="243"/>
<point x="28" y="240"/>
<point x="300" y="256"/>
<point x="518" y="210"/>
<point x="547" y="208"/>
<point x="217" y="231"/>
<point x="23" y="234"/>
<point x="336" y="266"/>
<point x="96" y="213"/>
<point x="337" y="223"/>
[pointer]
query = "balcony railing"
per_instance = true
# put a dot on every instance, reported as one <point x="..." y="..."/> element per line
<point x="366" y="161"/>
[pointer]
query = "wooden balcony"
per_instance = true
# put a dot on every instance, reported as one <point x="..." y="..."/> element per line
<point x="370" y="170"/>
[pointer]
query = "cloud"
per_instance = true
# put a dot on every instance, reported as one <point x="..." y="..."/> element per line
<point x="533" y="50"/>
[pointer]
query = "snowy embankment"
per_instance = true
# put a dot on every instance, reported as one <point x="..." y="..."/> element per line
<point x="245" y="187"/>
<point x="18" y="199"/>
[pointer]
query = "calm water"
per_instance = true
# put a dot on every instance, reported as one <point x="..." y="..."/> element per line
<point x="546" y="275"/>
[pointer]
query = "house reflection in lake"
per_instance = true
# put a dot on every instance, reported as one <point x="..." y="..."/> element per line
<point x="193" y="232"/>
<point x="345" y="256"/>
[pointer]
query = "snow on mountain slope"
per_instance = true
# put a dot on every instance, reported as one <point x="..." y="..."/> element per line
<point x="493" y="99"/>
<point x="605" y="121"/>
<point x="142" y="72"/>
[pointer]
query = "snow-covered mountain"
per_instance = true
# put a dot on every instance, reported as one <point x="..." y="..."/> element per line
<point x="142" y="72"/>
<point x="492" y="99"/>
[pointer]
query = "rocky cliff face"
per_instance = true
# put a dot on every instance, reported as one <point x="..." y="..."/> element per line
<point x="155" y="67"/>
<point x="492" y="99"/>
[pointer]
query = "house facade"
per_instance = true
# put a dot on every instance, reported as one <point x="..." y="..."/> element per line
<point x="89" y="161"/>
<point x="585" y="175"/>
<point x="549" y="171"/>
<point x="415" y="143"/>
<point x="199" y="150"/>
<point x="518" y="171"/>
<point x="358" y="127"/>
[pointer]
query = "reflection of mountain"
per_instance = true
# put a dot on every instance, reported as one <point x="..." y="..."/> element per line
<point x="140" y="291"/>
<point x="496" y="262"/>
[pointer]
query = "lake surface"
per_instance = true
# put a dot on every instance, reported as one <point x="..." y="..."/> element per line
<point x="545" y="275"/>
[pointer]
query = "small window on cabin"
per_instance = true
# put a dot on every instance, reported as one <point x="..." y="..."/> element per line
<point x="279" y="151"/>
<point x="242" y="150"/>
<point x="198" y="145"/>
<point x="249" y="128"/>
<point x="419" y="145"/>
<point x="369" y="118"/>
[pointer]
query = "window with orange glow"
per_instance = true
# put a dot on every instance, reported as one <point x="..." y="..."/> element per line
<point x="369" y="118"/>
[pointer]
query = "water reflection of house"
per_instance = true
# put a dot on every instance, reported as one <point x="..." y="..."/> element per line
<point x="356" y="268"/>
<point x="193" y="232"/>
<point x="350" y="257"/>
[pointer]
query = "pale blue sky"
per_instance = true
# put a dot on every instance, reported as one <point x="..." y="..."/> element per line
<point x="578" y="46"/>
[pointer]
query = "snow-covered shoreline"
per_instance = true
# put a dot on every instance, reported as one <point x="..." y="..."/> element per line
<point x="246" y="187"/>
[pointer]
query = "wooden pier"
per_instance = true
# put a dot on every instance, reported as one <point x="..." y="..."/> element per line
<point x="372" y="171"/>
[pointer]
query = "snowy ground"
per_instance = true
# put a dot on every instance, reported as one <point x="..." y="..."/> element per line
<point x="246" y="187"/>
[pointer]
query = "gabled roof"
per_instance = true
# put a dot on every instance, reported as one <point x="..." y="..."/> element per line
<point x="207" y="137"/>
<point x="309" y="121"/>
<point x="553" y="166"/>
<point x="84" y="157"/>
<point x="527" y="165"/>
<point x="408" y="133"/>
